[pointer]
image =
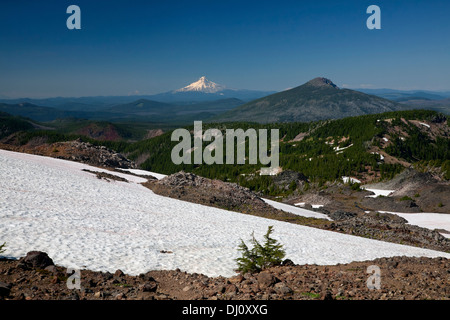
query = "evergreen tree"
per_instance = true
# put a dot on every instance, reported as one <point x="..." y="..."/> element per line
<point x="261" y="256"/>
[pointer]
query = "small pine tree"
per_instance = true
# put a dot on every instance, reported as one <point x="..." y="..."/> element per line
<point x="260" y="257"/>
<point x="247" y="263"/>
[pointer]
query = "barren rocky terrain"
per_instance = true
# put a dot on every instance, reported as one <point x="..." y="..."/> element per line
<point x="75" y="150"/>
<point x="35" y="277"/>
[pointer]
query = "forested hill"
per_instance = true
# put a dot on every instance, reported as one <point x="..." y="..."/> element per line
<point x="368" y="147"/>
<point x="317" y="99"/>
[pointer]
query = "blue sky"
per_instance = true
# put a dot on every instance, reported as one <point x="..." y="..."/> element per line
<point x="155" y="46"/>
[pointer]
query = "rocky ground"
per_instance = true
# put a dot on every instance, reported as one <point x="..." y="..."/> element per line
<point x="75" y="150"/>
<point x="387" y="227"/>
<point x="230" y="196"/>
<point x="414" y="192"/>
<point x="35" y="277"/>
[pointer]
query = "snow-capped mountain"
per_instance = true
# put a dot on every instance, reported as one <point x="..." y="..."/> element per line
<point x="202" y="85"/>
<point x="207" y="90"/>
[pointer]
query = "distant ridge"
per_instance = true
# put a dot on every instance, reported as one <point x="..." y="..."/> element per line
<point x="317" y="99"/>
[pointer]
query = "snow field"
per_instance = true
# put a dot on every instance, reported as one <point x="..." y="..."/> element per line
<point x="81" y="221"/>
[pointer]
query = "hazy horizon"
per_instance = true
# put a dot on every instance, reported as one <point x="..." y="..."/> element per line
<point x="142" y="94"/>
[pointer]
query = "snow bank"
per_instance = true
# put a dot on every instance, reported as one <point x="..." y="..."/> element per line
<point x="353" y="180"/>
<point x="158" y="176"/>
<point x="427" y="220"/>
<point x="52" y="205"/>
<point x="379" y="192"/>
<point x="297" y="211"/>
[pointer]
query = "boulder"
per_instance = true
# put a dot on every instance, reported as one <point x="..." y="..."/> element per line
<point x="151" y="286"/>
<point x="288" y="263"/>
<point x="282" y="288"/>
<point x="266" y="279"/>
<point x="118" y="274"/>
<point x="5" y="289"/>
<point x="38" y="260"/>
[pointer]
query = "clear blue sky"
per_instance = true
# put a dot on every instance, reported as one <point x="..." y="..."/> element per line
<point x="156" y="46"/>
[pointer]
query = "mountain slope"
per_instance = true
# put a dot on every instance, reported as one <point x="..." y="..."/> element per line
<point x="149" y="110"/>
<point x="400" y="95"/>
<point x="437" y="105"/>
<point x="141" y="107"/>
<point x="317" y="99"/>
<point x="10" y="124"/>
<point x="34" y="112"/>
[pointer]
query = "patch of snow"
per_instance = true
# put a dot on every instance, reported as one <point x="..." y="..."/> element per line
<point x="158" y="176"/>
<point x="385" y="139"/>
<point x="424" y="124"/>
<point x="52" y="205"/>
<point x="427" y="220"/>
<point x="295" y="210"/>
<point x="339" y="149"/>
<point x="381" y="156"/>
<point x="300" y="204"/>
<point x="270" y="171"/>
<point x="353" y="180"/>
<point x="379" y="192"/>
<point x="317" y="206"/>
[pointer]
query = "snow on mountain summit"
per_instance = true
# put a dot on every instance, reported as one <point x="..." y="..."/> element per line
<point x="202" y="85"/>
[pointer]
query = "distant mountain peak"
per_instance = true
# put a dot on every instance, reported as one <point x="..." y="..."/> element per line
<point x="318" y="99"/>
<point x="322" y="82"/>
<point x="202" y="85"/>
